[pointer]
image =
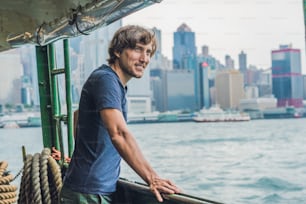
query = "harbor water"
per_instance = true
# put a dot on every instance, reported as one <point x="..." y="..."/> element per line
<point x="259" y="161"/>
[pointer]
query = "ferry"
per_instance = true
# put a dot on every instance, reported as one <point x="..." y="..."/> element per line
<point x="216" y="114"/>
<point x="42" y="23"/>
<point x="157" y="117"/>
<point x="20" y="120"/>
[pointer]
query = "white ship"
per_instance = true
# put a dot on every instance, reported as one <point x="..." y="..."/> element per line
<point x="216" y="114"/>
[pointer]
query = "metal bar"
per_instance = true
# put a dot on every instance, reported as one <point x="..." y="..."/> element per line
<point x="68" y="98"/>
<point x="54" y="96"/>
<point x="44" y="95"/>
<point x="57" y="71"/>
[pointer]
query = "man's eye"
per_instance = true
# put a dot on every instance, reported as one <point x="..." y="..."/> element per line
<point x="137" y="49"/>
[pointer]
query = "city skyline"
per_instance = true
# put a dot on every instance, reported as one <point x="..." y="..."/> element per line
<point x="229" y="26"/>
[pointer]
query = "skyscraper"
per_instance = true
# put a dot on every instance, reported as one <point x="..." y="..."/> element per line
<point x="287" y="79"/>
<point x="184" y="49"/>
<point x="242" y="62"/>
<point x="229" y="62"/>
<point x="180" y="90"/>
<point x="229" y="89"/>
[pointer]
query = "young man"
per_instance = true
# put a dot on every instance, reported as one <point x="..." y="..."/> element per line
<point x="102" y="134"/>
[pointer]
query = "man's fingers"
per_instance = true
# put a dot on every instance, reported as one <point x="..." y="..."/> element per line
<point x="158" y="195"/>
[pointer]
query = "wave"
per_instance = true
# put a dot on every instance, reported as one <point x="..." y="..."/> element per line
<point x="274" y="184"/>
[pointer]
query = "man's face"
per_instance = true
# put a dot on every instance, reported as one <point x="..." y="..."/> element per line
<point x="133" y="61"/>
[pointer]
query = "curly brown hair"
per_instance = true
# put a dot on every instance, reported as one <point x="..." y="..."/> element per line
<point x="127" y="37"/>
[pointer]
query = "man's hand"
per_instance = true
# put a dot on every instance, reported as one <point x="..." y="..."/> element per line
<point x="57" y="155"/>
<point x="160" y="186"/>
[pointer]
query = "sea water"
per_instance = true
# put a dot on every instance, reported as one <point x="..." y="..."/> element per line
<point x="259" y="161"/>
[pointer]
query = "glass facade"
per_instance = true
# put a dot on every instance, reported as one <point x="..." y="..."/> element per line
<point x="287" y="79"/>
<point x="184" y="50"/>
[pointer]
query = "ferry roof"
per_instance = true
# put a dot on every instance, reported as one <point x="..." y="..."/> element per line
<point x="41" y="22"/>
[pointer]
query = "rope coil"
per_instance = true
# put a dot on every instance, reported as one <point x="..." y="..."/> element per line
<point x="8" y="193"/>
<point x="41" y="179"/>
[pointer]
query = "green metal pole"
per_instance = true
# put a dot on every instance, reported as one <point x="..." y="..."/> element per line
<point x="68" y="98"/>
<point x="44" y="95"/>
<point x="54" y="97"/>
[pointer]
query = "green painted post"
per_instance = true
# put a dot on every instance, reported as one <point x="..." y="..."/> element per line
<point x="54" y="97"/>
<point x="68" y="98"/>
<point x="44" y="95"/>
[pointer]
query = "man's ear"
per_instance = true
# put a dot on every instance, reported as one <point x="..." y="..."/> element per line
<point x="117" y="54"/>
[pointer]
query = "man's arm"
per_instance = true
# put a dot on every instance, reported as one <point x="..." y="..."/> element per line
<point x="129" y="150"/>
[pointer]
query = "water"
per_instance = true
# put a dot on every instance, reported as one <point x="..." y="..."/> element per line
<point x="260" y="161"/>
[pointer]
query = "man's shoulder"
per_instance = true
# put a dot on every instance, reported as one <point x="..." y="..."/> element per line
<point x="104" y="70"/>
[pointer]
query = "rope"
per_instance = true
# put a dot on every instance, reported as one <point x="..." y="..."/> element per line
<point x="8" y="193"/>
<point x="36" y="193"/>
<point x="25" y="186"/>
<point x="41" y="179"/>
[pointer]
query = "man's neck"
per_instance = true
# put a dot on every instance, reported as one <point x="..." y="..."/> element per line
<point x="121" y="74"/>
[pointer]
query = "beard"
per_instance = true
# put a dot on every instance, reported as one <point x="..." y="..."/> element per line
<point x="130" y="72"/>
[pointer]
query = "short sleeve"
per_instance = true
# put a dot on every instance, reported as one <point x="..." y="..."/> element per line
<point x="107" y="92"/>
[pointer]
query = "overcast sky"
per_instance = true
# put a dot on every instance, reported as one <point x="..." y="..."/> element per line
<point x="230" y="26"/>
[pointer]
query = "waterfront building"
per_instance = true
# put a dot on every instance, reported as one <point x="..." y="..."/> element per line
<point x="158" y="84"/>
<point x="184" y="49"/>
<point x="181" y="90"/>
<point x="251" y="92"/>
<point x="26" y="91"/>
<point x="286" y="76"/>
<point x="257" y="104"/>
<point x="229" y="88"/>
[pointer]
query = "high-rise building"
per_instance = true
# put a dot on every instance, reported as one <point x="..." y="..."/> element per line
<point x="184" y="49"/>
<point x="242" y="62"/>
<point x="287" y="79"/>
<point x="202" y="87"/>
<point x="229" y="89"/>
<point x="264" y="83"/>
<point x="29" y="79"/>
<point x="159" y="92"/>
<point x="243" y="65"/>
<point x="11" y="79"/>
<point x="229" y="62"/>
<point x="180" y="89"/>
<point x="205" y="51"/>
<point x="252" y="75"/>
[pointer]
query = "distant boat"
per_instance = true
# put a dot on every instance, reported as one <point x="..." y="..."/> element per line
<point x="22" y="119"/>
<point x="32" y="121"/>
<point x="282" y="112"/>
<point x="216" y="114"/>
<point x="9" y="124"/>
<point x="157" y="117"/>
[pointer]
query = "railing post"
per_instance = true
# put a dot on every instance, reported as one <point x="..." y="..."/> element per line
<point x="68" y="98"/>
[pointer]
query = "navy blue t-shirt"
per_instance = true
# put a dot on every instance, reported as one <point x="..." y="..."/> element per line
<point x="95" y="164"/>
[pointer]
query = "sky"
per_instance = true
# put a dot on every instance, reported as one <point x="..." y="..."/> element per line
<point x="230" y="26"/>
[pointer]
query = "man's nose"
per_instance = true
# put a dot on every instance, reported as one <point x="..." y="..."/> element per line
<point x="145" y="57"/>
